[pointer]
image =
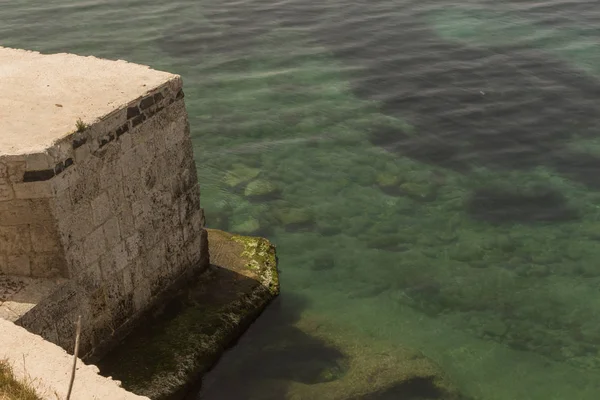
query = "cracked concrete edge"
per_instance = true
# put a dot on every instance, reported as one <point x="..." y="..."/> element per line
<point x="48" y="368"/>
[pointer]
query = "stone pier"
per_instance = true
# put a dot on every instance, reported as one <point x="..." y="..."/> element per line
<point x="99" y="199"/>
<point x="100" y="217"/>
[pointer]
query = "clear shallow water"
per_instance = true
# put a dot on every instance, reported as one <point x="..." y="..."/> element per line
<point x="429" y="169"/>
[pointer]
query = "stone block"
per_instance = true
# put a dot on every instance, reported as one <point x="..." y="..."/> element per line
<point x="101" y="209"/>
<point x="90" y="279"/>
<point x="77" y="224"/>
<point x="141" y="295"/>
<point x="25" y="212"/>
<point x="85" y="189"/>
<point x="6" y="191"/>
<point x="177" y="259"/>
<point x="126" y="221"/>
<point x="137" y="272"/>
<point x="38" y="161"/>
<point x="126" y="142"/>
<point x="112" y="232"/>
<point x="133" y="186"/>
<point x="94" y="245"/>
<point x="44" y="238"/>
<point x="39" y="209"/>
<point x="65" y="329"/>
<point x="151" y="235"/>
<point x="15" y="240"/>
<point x="116" y="197"/>
<point x="3" y="172"/>
<point x="6" y="205"/>
<point x="98" y="307"/>
<point x="189" y="203"/>
<point x="114" y="121"/>
<point x="135" y="159"/>
<point x="48" y="331"/>
<point x="114" y="293"/>
<point x="61" y="205"/>
<point x="82" y="153"/>
<point x="177" y="131"/>
<point x="16" y="170"/>
<point x="120" y="257"/>
<point x="78" y="193"/>
<point x="60" y="151"/>
<point x="126" y="277"/>
<point x="156" y="259"/>
<point x="62" y="182"/>
<point x="18" y="265"/>
<point x="111" y="172"/>
<point x="133" y="245"/>
<point x="47" y="265"/>
<point x="32" y="190"/>
<point x="75" y="257"/>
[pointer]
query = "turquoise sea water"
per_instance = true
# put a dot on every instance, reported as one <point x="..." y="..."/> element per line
<point x="429" y="171"/>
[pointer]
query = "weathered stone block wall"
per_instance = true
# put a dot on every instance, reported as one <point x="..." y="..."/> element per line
<point x="116" y="209"/>
<point x="29" y="240"/>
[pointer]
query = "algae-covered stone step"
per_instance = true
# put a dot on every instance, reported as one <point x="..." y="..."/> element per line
<point x="184" y="337"/>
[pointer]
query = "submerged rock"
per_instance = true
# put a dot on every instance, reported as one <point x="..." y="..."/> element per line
<point x="249" y="226"/>
<point x="261" y="189"/>
<point x="495" y="327"/>
<point x="389" y="242"/>
<point x="240" y="174"/>
<point x="396" y="186"/>
<point x="467" y="252"/>
<point x="192" y="329"/>
<point x="294" y="219"/>
<point x="326" y="228"/>
<point x="389" y="183"/>
<point x="395" y="374"/>
<point x="419" y="190"/>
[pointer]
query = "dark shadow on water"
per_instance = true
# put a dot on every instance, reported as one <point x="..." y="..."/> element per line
<point x="499" y="206"/>
<point x="580" y="167"/>
<point x="512" y="113"/>
<point x="415" y="389"/>
<point x="273" y="350"/>
<point x="177" y="327"/>
<point x="502" y="107"/>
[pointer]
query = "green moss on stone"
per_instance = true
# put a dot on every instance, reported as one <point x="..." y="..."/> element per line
<point x="261" y="257"/>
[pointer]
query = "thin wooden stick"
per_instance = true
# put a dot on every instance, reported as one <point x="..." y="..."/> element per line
<point x="78" y="334"/>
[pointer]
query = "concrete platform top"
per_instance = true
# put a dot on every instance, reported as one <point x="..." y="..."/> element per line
<point x="43" y="96"/>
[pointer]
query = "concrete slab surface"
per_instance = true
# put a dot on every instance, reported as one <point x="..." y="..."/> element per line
<point x="47" y="368"/>
<point x="42" y="96"/>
